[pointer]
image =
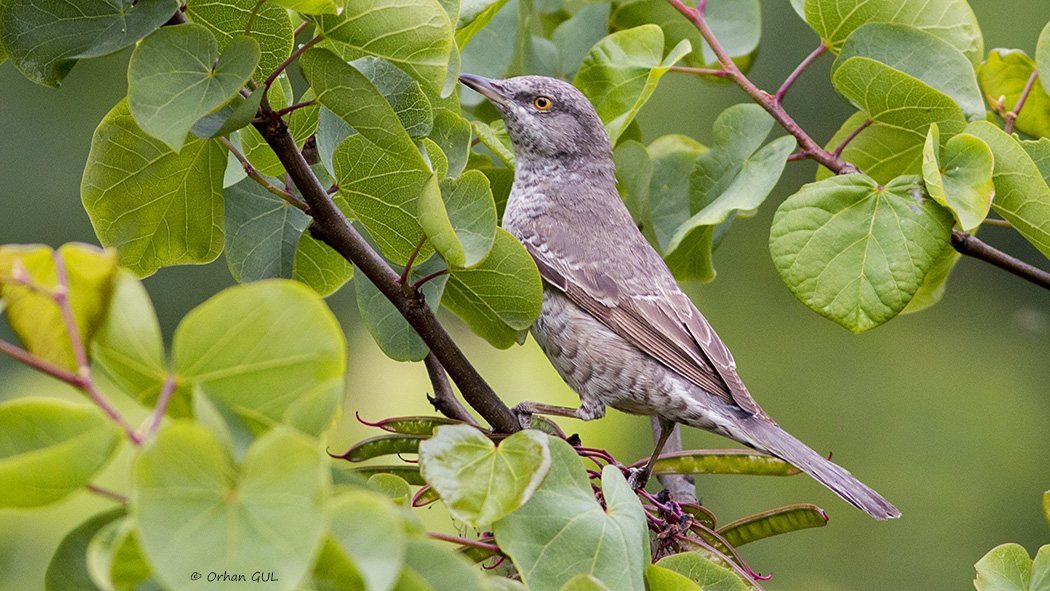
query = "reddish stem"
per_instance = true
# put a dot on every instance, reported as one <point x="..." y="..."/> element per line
<point x="403" y="280"/>
<point x="418" y="284"/>
<point x="170" y="384"/>
<point x="301" y="105"/>
<point x="295" y="55"/>
<point x="701" y="71"/>
<point x="464" y="542"/>
<point x="106" y="493"/>
<point x="849" y="138"/>
<point x="819" y="51"/>
<point x="1012" y="115"/>
<point x="40" y="364"/>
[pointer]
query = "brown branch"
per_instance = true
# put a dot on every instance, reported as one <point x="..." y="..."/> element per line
<point x="969" y="245"/>
<point x="806" y="144"/>
<point x="444" y="399"/>
<point x="259" y="178"/>
<point x="331" y="222"/>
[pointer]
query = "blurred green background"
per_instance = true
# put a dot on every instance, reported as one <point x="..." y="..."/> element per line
<point x="945" y="412"/>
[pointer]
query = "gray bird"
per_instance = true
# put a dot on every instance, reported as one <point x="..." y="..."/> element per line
<point x="615" y="323"/>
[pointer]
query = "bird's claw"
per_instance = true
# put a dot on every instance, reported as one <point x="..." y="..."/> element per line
<point x="523" y="411"/>
<point x="638" y="479"/>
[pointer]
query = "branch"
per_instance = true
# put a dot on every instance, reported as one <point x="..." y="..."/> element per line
<point x="819" y="51"/>
<point x="331" y="222"/>
<point x="444" y="399"/>
<point x="808" y="146"/>
<point x="259" y="178"/>
<point x="849" y="138"/>
<point x="969" y="245"/>
<point x="1012" y="115"/>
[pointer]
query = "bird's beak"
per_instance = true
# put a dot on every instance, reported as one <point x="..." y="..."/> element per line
<point x="489" y="88"/>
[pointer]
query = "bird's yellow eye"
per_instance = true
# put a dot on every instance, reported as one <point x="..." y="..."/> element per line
<point x="542" y="103"/>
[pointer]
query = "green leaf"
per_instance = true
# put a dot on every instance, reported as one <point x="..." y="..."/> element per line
<point x="452" y="134"/>
<point x="473" y="16"/>
<point x="309" y="6"/>
<point x="67" y="570"/>
<point x="883" y="152"/>
<point x="951" y="20"/>
<point x="176" y="76"/>
<point x="128" y="345"/>
<point x="896" y="99"/>
<point x="316" y="264"/>
<point x="1004" y="568"/>
<point x="236" y="114"/>
<point x="562" y="531"/>
<point x="1021" y="194"/>
<point x="621" y="71"/>
<point x="634" y="171"/>
<point x="254" y="147"/>
<point x="44" y="38"/>
<point x="735" y="23"/>
<point x="708" y="575"/>
<point x="734" y="177"/>
<point x="404" y="94"/>
<point x="489" y="53"/>
<point x="499" y="296"/>
<point x="35" y="317"/>
<point x="227" y="20"/>
<point x="115" y="560"/>
<point x="773" y="523"/>
<point x="270" y="350"/>
<point x="438" y="568"/>
<point x="1039" y="152"/>
<point x="854" y="251"/>
<point x="198" y="512"/>
<point x="962" y="182"/>
<point x="672" y="157"/>
<point x="479" y="482"/>
<point x="920" y="54"/>
<point x="584" y="582"/>
<point x="495" y="138"/>
<point x="575" y="37"/>
<point x="388" y="327"/>
<point x="1004" y="75"/>
<point x="262" y="232"/>
<point x="1041" y="570"/>
<point x="155" y="206"/>
<point x="383" y="193"/>
<point x="460" y="220"/>
<point x="1046" y="506"/>
<point x="367" y="531"/>
<point x="658" y="578"/>
<point x="414" y="35"/>
<point x="395" y="487"/>
<point x="50" y="448"/>
<point x="503" y="584"/>
<point x="1042" y="56"/>
<point x="724" y="461"/>
<point x="933" y="286"/>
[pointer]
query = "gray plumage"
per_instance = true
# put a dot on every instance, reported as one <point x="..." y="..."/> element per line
<point x="615" y="323"/>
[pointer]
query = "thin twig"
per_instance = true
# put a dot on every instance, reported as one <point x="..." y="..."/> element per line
<point x="435" y="275"/>
<point x="806" y="144"/>
<point x="1012" y="115"/>
<point x="444" y="399"/>
<point x="301" y="28"/>
<point x="465" y="542"/>
<point x="997" y="222"/>
<point x="40" y="364"/>
<point x="106" y="493"/>
<point x="701" y="71"/>
<point x="295" y="55"/>
<point x="403" y="279"/>
<point x="849" y="138"/>
<point x="970" y="245"/>
<point x="259" y="178"/>
<point x="819" y="51"/>
<point x="296" y="106"/>
<point x="170" y="384"/>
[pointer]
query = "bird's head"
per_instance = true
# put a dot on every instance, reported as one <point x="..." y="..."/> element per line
<point x="546" y="119"/>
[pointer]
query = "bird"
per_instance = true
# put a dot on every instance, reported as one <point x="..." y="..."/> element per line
<point x="614" y="322"/>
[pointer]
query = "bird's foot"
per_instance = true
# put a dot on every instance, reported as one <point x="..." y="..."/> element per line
<point x="638" y="479"/>
<point x="523" y="412"/>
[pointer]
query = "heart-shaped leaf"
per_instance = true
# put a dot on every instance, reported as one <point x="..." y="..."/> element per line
<point x="68" y="570"/>
<point x="228" y="19"/>
<point x="479" y="482"/>
<point x="1009" y="568"/>
<point x="710" y="576"/>
<point x="114" y="559"/>
<point x="262" y="232"/>
<point x="35" y="317"/>
<point x="855" y="251"/>
<point x="198" y="512"/>
<point x="367" y="531"/>
<point x="388" y="327"/>
<point x="584" y="582"/>
<point x="562" y="531"/>
<point x="155" y="206"/>
<point x="174" y="79"/>
<point x="962" y="180"/>
<point x="50" y="448"/>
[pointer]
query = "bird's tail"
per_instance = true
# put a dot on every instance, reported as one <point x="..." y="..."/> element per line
<point x="770" y="438"/>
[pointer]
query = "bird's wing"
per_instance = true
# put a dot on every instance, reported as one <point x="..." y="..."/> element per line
<point x="655" y="315"/>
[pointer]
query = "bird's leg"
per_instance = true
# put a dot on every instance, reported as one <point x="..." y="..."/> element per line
<point x="525" y="410"/>
<point x="640" y="478"/>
